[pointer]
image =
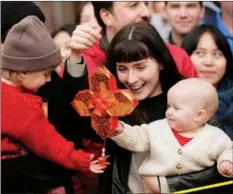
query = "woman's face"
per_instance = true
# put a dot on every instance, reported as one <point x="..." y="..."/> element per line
<point x="209" y="61"/>
<point x="140" y="77"/>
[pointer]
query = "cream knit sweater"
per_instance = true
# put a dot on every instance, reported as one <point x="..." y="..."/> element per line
<point x="167" y="156"/>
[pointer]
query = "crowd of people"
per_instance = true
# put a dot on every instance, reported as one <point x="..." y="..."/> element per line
<point x="175" y="58"/>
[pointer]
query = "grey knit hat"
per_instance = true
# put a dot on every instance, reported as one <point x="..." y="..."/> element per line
<point x="29" y="47"/>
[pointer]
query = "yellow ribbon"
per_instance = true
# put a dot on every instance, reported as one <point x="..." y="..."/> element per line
<point x="205" y="187"/>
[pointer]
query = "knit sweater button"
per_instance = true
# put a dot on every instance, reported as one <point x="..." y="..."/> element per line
<point x="179" y="151"/>
<point x="178" y="166"/>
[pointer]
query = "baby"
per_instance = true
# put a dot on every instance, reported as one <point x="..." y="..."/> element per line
<point x="183" y="142"/>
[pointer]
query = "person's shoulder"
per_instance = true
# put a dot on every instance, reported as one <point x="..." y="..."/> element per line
<point x="179" y="54"/>
<point x="20" y="100"/>
<point x="32" y="101"/>
<point x="174" y="49"/>
<point x="158" y="123"/>
<point x="214" y="132"/>
<point x="183" y="61"/>
<point x="19" y="108"/>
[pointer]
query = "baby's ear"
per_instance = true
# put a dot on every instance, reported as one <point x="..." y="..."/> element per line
<point x="201" y="115"/>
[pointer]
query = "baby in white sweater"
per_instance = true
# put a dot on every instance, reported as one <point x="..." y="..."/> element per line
<point x="183" y="142"/>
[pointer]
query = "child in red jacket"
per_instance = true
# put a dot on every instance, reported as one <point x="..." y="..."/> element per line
<point x="28" y="57"/>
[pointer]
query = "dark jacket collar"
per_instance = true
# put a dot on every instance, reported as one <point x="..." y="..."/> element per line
<point x="104" y="42"/>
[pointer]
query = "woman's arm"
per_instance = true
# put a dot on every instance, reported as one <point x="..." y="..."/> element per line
<point x="77" y="127"/>
<point x="75" y="79"/>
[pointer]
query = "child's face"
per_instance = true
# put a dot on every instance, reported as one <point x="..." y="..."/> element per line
<point x="181" y="112"/>
<point x="32" y="81"/>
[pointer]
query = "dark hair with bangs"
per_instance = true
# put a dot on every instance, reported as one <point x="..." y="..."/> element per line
<point x="131" y="50"/>
<point x="191" y="41"/>
<point x="139" y="41"/>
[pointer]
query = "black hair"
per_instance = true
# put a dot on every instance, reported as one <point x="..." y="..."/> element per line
<point x="98" y="5"/>
<point x="139" y="41"/>
<point x="201" y="3"/>
<point x="192" y="39"/>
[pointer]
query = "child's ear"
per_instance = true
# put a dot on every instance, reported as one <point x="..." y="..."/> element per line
<point x="201" y="115"/>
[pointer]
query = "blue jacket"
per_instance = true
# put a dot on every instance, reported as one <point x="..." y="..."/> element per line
<point x="225" y="110"/>
<point x="215" y="19"/>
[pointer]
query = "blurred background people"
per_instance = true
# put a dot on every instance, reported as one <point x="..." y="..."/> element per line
<point x="159" y="20"/>
<point x="183" y="18"/>
<point x="223" y="20"/>
<point x="62" y="38"/>
<point x="13" y="12"/>
<point x="85" y="15"/>
<point x="211" y="55"/>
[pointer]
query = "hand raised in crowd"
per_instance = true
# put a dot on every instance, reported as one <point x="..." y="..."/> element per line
<point x="83" y="38"/>
<point x="226" y="168"/>
<point x="94" y="166"/>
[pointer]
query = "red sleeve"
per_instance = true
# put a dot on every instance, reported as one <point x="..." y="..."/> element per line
<point x="39" y="136"/>
<point x="183" y="61"/>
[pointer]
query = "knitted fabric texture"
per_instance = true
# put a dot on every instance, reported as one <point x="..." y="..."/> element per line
<point x="14" y="11"/>
<point x="29" y="47"/>
<point x="23" y="121"/>
<point x="172" y="159"/>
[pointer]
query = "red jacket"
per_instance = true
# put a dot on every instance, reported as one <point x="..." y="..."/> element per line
<point x="24" y="122"/>
<point x="95" y="56"/>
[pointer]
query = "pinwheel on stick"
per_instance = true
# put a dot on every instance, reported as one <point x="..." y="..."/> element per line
<point x="104" y="103"/>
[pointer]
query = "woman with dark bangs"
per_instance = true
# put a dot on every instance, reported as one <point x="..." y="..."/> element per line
<point x="142" y="63"/>
<point x="211" y="55"/>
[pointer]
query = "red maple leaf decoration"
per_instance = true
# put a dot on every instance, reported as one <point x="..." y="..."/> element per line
<point x="102" y="161"/>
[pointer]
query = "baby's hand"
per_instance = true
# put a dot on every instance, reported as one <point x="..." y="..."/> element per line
<point x="95" y="167"/>
<point x="226" y="168"/>
<point x="119" y="129"/>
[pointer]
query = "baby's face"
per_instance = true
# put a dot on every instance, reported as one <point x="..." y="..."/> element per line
<point x="181" y="112"/>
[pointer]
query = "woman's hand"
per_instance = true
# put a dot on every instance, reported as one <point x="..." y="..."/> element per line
<point x="83" y="38"/>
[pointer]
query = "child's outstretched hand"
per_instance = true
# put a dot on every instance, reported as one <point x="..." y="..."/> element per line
<point x="94" y="166"/>
<point x="226" y="168"/>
